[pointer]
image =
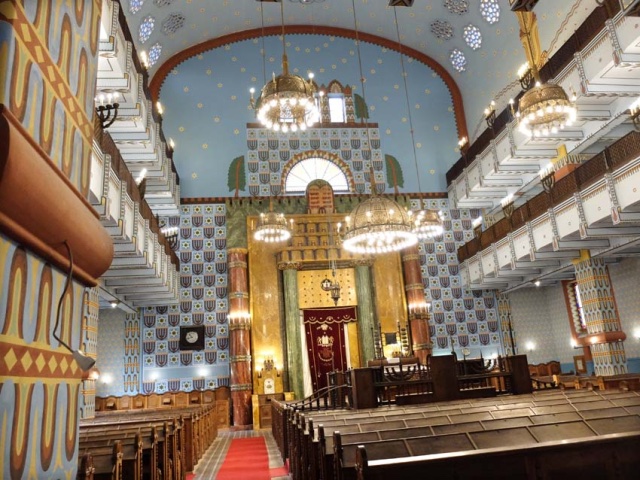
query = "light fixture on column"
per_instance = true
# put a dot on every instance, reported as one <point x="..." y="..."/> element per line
<point x="507" y="206"/>
<point x="107" y="108"/>
<point x="477" y="227"/>
<point x="287" y="102"/>
<point x="545" y="108"/>
<point x="272" y="227"/>
<point x="377" y="225"/>
<point x="548" y="177"/>
<point x="490" y="115"/>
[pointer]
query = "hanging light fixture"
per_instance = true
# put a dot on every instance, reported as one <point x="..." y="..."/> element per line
<point x="287" y="102"/>
<point x="272" y="227"/>
<point x="426" y="223"/>
<point x="379" y="224"/>
<point x="545" y="108"/>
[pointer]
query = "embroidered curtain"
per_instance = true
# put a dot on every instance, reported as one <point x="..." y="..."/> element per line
<point x="325" y="335"/>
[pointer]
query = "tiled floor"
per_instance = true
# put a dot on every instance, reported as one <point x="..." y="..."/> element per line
<point x="211" y="461"/>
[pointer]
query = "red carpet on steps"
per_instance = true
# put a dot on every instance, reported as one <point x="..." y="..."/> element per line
<point x="246" y="459"/>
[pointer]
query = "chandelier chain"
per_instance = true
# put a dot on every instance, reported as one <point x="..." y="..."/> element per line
<point x="406" y="97"/>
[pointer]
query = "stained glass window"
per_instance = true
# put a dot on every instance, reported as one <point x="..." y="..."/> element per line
<point x="490" y="10"/>
<point x="472" y="36"/>
<point x="146" y="28"/>
<point x="154" y="54"/>
<point x="458" y="60"/>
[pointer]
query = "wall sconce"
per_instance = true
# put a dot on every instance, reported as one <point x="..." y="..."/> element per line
<point x="419" y="308"/>
<point x="92" y="374"/>
<point x="477" y="227"/>
<point x="169" y="233"/>
<point x="548" y="177"/>
<point x="239" y="317"/>
<point x="463" y="145"/>
<point x="144" y="60"/>
<point x="530" y="346"/>
<point x="537" y="283"/>
<point x="634" y="112"/>
<point x="490" y="114"/>
<point x="159" y="111"/>
<point x="114" y="303"/>
<point x="512" y="109"/>
<point x="525" y="75"/>
<point x="507" y="206"/>
<point x="108" y="112"/>
<point x="268" y="366"/>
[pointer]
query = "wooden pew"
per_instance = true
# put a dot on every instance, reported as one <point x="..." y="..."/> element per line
<point x="609" y="456"/>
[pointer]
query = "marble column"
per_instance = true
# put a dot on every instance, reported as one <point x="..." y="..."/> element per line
<point x="604" y="332"/>
<point x="417" y="306"/>
<point x="292" y="327"/>
<point x="366" y="312"/>
<point x="240" y="338"/>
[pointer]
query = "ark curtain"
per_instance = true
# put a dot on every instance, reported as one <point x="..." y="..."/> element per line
<point x="325" y="335"/>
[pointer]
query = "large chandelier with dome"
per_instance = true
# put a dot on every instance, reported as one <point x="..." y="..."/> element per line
<point x="378" y="224"/>
<point x="287" y="102"/>
<point x="545" y="108"/>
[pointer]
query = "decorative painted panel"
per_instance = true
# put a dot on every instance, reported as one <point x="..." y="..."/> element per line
<point x="203" y="301"/>
<point x="49" y="56"/>
<point x="40" y="390"/>
<point x="460" y="318"/>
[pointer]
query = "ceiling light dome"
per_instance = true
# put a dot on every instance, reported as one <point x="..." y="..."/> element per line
<point x="378" y="225"/>
<point x="545" y="109"/>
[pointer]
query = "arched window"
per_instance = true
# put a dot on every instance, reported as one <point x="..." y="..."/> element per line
<point x="312" y="169"/>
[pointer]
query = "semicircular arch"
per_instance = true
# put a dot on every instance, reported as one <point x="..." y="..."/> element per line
<point x="310" y="155"/>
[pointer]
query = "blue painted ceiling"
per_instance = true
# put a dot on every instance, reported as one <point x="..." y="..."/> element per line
<point x="206" y="97"/>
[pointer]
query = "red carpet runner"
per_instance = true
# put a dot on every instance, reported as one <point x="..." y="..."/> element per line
<point x="247" y="459"/>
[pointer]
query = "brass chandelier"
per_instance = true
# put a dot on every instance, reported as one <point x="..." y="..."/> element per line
<point x="272" y="227"/>
<point x="287" y="102"/>
<point x="545" y="108"/>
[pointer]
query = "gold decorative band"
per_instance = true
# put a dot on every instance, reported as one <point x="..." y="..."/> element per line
<point x="414" y="286"/>
<point x="239" y="387"/>
<point x="239" y="358"/>
<point x="422" y="346"/>
<point x="410" y="257"/>
<point x="240" y="326"/>
<point x="237" y="264"/>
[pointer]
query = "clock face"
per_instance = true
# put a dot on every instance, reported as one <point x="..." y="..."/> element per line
<point x="191" y="337"/>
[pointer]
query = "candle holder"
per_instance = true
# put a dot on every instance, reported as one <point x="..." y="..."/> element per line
<point x="107" y="112"/>
<point x="490" y="115"/>
<point x="548" y="178"/>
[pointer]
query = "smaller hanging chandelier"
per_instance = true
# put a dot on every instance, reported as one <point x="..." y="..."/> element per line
<point x="272" y="227"/>
<point x="287" y="102"/>
<point x="427" y="224"/>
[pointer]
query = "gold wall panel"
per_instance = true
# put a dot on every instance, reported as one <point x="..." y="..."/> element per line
<point x="390" y="301"/>
<point x="266" y="338"/>
<point x="311" y="295"/>
<point x="354" y="345"/>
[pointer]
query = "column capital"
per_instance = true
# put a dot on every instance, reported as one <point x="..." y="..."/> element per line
<point x="363" y="262"/>
<point x="410" y="257"/>
<point x="237" y="250"/>
<point x="289" y="266"/>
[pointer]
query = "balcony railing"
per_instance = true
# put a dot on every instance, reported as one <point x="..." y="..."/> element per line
<point x="578" y="41"/>
<point x="613" y="157"/>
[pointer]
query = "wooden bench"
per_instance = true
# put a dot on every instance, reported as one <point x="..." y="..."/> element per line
<point x="171" y="441"/>
<point x="609" y="456"/>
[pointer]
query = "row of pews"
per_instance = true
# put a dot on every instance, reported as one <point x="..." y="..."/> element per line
<point x="541" y="435"/>
<point x="151" y="444"/>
